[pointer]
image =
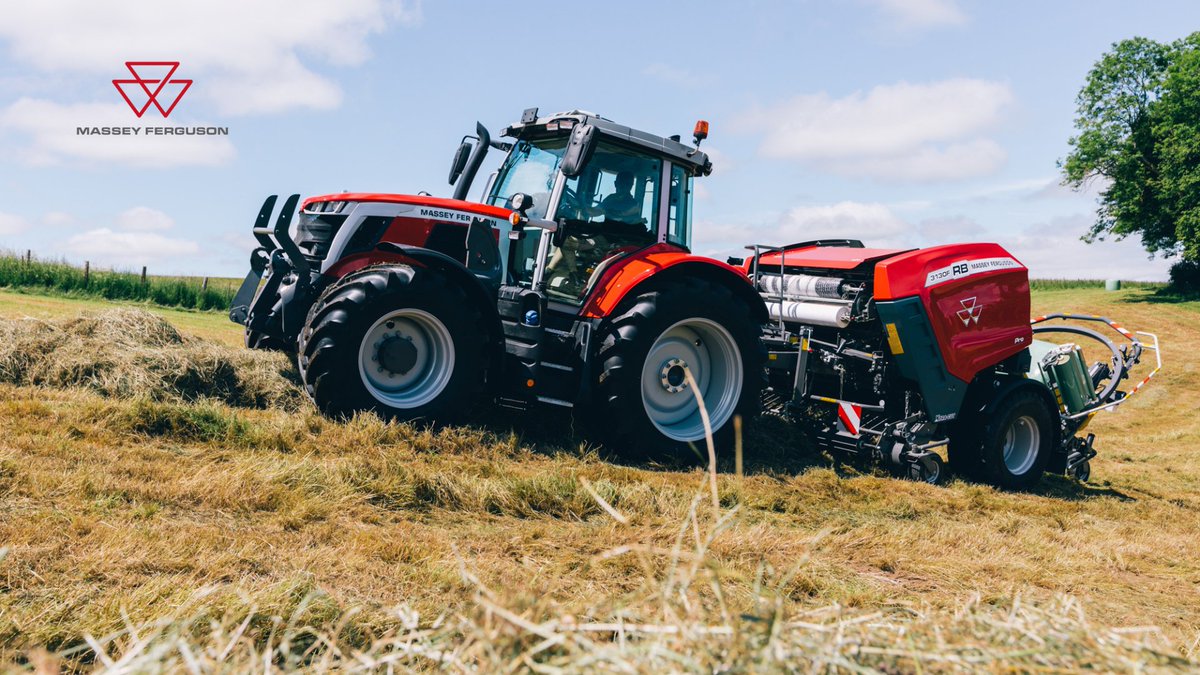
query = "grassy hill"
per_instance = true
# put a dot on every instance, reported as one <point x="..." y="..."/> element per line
<point x="172" y="501"/>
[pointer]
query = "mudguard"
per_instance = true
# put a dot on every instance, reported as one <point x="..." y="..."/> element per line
<point x="661" y="262"/>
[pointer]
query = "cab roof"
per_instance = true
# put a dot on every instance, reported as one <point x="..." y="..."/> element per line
<point x="532" y="125"/>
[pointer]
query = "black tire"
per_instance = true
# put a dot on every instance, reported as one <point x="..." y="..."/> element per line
<point x="349" y="310"/>
<point x="625" y="344"/>
<point x="258" y="340"/>
<point x="928" y="469"/>
<point x="1023" y="425"/>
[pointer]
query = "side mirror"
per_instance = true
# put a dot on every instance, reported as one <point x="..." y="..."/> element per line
<point x="579" y="150"/>
<point x="460" y="161"/>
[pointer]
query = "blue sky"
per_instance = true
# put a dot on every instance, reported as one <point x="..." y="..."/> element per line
<point x="902" y="122"/>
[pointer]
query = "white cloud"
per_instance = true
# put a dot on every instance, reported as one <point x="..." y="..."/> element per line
<point x="917" y="14"/>
<point x="946" y="229"/>
<point x="874" y="224"/>
<point x="144" y="219"/>
<point x="680" y="77"/>
<point x="929" y="164"/>
<point x="246" y="57"/>
<point x="129" y="249"/>
<point x="51" y="131"/>
<point x="12" y="225"/>
<point x="721" y="162"/>
<point x="1054" y="189"/>
<point x="1053" y="250"/>
<point x="57" y="219"/>
<point x="901" y="132"/>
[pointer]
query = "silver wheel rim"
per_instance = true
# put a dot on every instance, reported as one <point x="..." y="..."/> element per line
<point x="427" y="363"/>
<point x="1022" y="442"/>
<point x="706" y="349"/>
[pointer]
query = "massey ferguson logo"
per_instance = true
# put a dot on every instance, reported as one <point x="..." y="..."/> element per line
<point x="970" y="311"/>
<point x="152" y="84"/>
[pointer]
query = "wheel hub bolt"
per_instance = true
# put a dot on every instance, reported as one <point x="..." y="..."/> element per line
<point x="672" y="375"/>
<point x="397" y="354"/>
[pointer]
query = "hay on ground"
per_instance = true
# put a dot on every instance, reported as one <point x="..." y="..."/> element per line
<point x="131" y="353"/>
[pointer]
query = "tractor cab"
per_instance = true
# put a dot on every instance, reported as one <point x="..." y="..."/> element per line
<point x="595" y="192"/>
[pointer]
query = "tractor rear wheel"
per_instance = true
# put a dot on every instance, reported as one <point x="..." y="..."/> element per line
<point x="1010" y="447"/>
<point x="648" y="406"/>
<point x="403" y="342"/>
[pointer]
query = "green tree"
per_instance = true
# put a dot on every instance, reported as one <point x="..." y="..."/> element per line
<point x="1177" y="139"/>
<point x="1138" y="133"/>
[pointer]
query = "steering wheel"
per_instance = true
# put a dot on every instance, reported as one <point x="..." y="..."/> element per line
<point x="569" y="205"/>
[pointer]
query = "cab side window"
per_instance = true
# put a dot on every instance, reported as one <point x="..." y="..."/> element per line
<point x="679" y="208"/>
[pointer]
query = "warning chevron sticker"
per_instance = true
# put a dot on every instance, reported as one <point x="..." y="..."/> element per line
<point x="849" y="418"/>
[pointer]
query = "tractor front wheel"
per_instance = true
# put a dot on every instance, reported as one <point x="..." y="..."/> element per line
<point x="650" y="408"/>
<point x="403" y="342"/>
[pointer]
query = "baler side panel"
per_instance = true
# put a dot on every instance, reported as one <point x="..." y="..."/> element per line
<point x="919" y="358"/>
<point x="981" y="321"/>
<point x="976" y="297"/>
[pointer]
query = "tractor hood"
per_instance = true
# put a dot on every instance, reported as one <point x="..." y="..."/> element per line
<point x="341" y="228"/>
<point x="436" y="208"/>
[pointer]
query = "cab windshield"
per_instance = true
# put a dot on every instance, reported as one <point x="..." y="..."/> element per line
<point x="609" y="210"/>
<point x="530" y="169"/>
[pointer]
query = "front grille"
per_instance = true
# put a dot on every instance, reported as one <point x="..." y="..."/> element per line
<point x="315" y="232"/>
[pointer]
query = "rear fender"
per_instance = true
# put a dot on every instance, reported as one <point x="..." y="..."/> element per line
<point x="664" y="262"/>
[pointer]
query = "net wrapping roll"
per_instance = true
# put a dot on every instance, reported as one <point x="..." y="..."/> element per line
<point x="799" y="286"/>
<point x="832" y="314"/>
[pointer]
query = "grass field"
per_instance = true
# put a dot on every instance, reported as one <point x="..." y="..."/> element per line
<point x="148" y="523"/>
<point x="62" y="279"/>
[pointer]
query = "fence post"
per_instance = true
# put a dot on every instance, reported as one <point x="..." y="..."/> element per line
<point x="87" y="271"/>
<point x="28" y="256"/>
<point x="204" y="286"/>
<point x="143" y="275"/>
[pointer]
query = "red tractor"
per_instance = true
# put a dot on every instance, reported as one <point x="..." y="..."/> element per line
<point x="572" y="285"/>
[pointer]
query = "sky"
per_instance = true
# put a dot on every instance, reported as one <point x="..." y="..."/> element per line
<point x="903" y="123"/>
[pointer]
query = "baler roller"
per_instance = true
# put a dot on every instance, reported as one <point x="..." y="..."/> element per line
<point x="835" y="314"/>
<point x="802" y="286"/>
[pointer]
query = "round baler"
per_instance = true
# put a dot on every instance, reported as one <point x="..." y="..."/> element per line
<point x="894" y="354"/>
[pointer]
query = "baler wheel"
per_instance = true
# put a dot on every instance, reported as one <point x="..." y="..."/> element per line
<point x="1082" y="472"/>
<point x="403" y="342"/>
<point x="648" y="407"/>
<point x="1011" y="445"/>
<point x="928" y="468"/>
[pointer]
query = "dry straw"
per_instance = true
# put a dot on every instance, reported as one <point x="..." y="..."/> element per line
<point x="129" y="353"/>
